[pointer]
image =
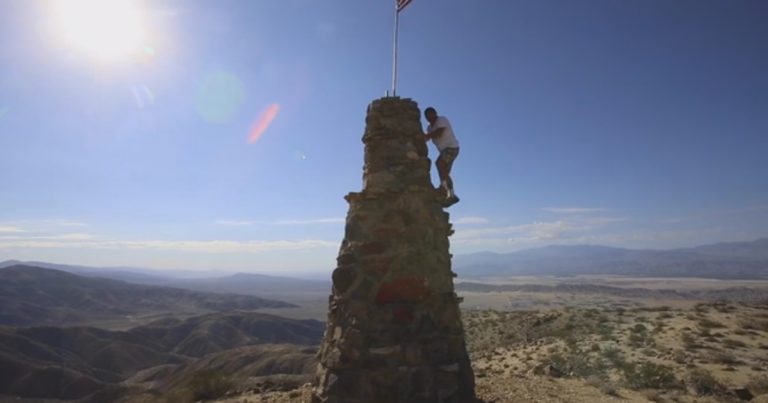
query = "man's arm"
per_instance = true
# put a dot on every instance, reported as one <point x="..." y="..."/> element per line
<point x="434" y="133"/>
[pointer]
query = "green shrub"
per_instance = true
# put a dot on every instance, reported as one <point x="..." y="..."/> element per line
<point x="572" y="364"/>
<point x="614" y="356"/>
<point x="648" y="375"/>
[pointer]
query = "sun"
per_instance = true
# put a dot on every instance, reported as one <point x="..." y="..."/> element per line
<point x="107" y="30"/>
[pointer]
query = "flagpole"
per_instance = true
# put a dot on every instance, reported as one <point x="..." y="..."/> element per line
<point x="394" y="52"/>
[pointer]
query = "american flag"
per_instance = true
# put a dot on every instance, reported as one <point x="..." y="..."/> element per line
<point x="402" y="3"/>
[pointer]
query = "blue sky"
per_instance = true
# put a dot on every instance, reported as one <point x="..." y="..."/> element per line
<point x="636" y="123"/>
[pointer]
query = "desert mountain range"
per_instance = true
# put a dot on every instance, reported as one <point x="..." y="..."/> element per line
<point x="736" y="260"/>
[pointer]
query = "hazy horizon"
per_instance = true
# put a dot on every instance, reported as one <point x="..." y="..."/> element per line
<point x="316" y="273"/>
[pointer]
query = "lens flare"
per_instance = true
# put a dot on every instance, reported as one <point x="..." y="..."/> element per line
<point x="143" y="96"/>
<point x="219" y="97"/>
<point x="263" y="123"/>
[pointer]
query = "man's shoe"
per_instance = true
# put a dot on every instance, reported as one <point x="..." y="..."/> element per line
<point x="451" y="201"/>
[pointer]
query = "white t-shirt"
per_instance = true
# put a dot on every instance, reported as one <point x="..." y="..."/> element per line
<point x="448" y="138"/>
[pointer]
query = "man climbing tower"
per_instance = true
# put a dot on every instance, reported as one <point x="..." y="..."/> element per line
<point x="441" y="134"/>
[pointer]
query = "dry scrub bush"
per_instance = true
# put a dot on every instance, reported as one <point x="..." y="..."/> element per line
<point x="678" y="356"/>
<point x="665" y="315"/>
<point x="723" y="307"/>
<point x="701" y="382"/>
<point x="731" y="343"/>
<point x="725" y="357"/>
<point x="690" y="342"/>
<point x="653" y="396"/>
<point x="754" y="324"/>
<point x="641" y="339"/>
<point x="710" y="324"/>
<point x="758" y="385"/>
<point x="604" y="385"/>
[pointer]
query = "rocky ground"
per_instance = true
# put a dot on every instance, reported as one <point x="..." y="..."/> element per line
<point x="713" y="352"/>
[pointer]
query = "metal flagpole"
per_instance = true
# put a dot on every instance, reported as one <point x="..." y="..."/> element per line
<point x="394" y="52"/>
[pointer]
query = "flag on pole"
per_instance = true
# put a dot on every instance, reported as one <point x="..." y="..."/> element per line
<point x="401" y="4"/>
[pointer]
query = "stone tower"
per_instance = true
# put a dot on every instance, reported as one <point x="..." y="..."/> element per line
<point x="394" y="332"/>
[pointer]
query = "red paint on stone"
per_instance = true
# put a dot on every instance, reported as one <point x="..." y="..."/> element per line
<point x="403" y="289"/>
<point x="403" y="315"/>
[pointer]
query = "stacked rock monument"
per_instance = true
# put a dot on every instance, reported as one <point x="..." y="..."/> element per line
<point x="394" y="331"/>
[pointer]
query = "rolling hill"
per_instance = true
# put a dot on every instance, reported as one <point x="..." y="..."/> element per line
<point x="37" y="296"/>
<point x="77" y="362"/>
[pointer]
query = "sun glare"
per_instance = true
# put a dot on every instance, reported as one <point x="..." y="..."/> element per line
<point x="108" y="30"/>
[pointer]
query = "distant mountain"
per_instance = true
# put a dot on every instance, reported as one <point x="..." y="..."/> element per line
<point x="736" y="260"/>
<point x="239" y="283"/>
<point x="78" y="362"/>
<point x="130" y="274"/>
<point x="37" y="296"/>
<point x="749" y="250"/>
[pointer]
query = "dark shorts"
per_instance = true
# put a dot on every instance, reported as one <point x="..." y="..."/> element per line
<point x="449" y="155"/>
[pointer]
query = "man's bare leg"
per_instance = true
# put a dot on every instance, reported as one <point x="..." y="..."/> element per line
<point x="445" y="179"/>
<point x="444" y="171"/>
